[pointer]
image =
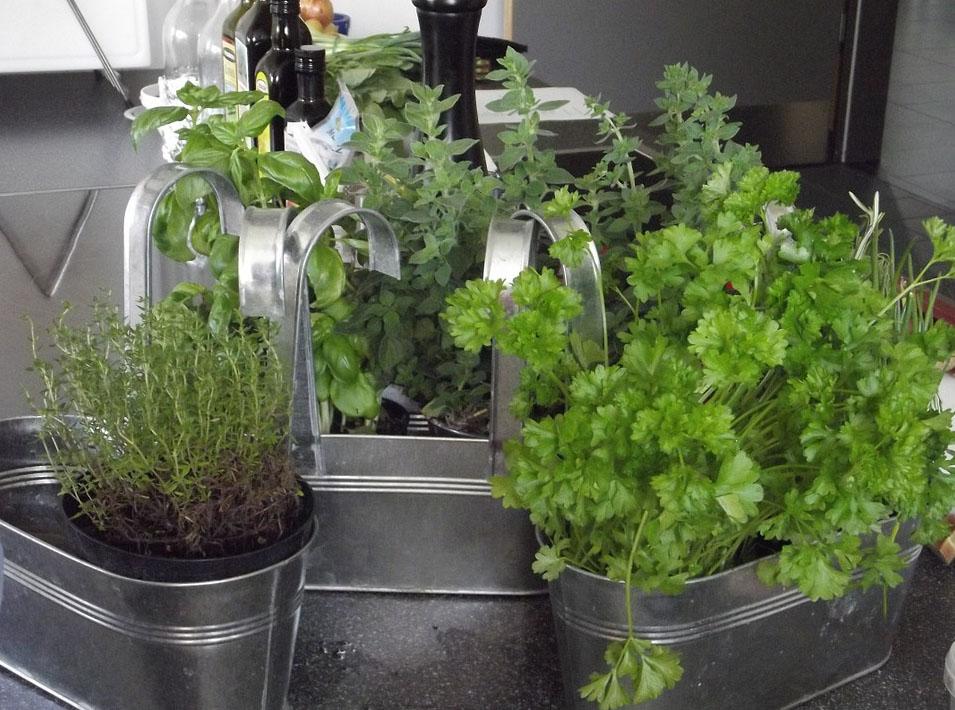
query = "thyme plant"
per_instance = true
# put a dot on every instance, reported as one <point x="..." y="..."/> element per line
<point x="169" y="436"/>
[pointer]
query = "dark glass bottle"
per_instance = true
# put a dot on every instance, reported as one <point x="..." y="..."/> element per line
<point x="449" y="30"/>
<point x="253" y="38"/>
<point x="275" y="72"/>
<point x="311" y="105"/>
<point x="230" y="73"/>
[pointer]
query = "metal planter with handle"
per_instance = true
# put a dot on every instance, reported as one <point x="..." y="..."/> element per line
<point x="99" y="640"/>
<point x="395" y="513"/>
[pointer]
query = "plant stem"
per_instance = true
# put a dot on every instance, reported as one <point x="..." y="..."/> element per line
<point x="628" y="585"/>
<point x="917" y="283"/>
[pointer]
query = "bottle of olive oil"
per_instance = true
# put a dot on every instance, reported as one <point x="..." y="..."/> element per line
<point x="230" y="73"/>
<point x="253" y="38"/>
<point x="275" y="72"/>
<point x="252" y="41"/>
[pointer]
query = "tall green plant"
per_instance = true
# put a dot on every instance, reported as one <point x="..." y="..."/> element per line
<point x="187" y="227"/>
<point x="440" y="209"/>
<point x="169" y="436"/>
<point x="775" y="384"/>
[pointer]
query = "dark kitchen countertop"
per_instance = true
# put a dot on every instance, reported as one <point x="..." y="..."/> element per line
<point x="381" y="651"/>
<point x="378" y="651"/>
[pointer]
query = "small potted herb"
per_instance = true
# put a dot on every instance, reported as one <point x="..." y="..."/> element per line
<point x="169" y="441"/>
<point x="768" y="410"/>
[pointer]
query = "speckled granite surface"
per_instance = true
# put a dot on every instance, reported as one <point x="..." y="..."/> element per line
<point x="381" y="652"/>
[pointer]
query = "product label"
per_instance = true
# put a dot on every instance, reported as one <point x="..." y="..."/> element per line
<point x="241" y="76"/>
<point x="241" y="66"/>
<point x="324" y="143"/>
<point x="265" y="137"/>
<point x="230" y="73"/>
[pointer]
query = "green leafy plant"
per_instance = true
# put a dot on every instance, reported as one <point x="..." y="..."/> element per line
<point x="187" y="227"/>
<point x="377" y="69"/>
<point x="528" y="173"/>
<point x="439" y="208"/>
<point x="775" y="387"/>
<point x="170" y="437"/>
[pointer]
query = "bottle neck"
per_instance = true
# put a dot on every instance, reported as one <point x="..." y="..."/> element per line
<point x="311" y="87"/>
<point x="285" y="32"/>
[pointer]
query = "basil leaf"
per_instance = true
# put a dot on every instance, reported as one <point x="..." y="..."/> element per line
<point x="294" y="172"/>
<point x="153" y="118"/>
<point x="254" y="121"/>
<point x="206" y="152"/>
<point x="171" y="229"/>
<point x="224" y="255"/>
<point x="355" y="399"/>
<point x="326" y="275"/>
<point x="185" y="291"/>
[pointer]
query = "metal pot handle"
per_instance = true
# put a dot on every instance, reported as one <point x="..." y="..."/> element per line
<point x="273" y="282"/>
<point x="138" y="226"/>
<point x="510" y="249"/>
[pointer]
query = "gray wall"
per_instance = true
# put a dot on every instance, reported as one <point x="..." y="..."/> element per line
<point x="778" y="56"/>
<point x="66" y="171"/>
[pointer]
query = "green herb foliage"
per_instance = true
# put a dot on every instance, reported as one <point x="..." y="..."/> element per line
<point x="528" y="173"/>
<point x="696" y="139"/>
<point x="775" y="383"/>
<point x="187" y="227"/>
<point x="375" y="69"/>
<point x="440" y="209"/>
<point x="170" y="436"/>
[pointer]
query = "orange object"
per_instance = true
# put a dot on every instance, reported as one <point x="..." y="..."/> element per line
<point x="946" y="547"/>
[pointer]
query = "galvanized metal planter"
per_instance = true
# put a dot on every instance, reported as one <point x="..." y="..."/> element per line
<point x="743" y="645"/>
<point x="398" y="514"/>
<point x="98" y="640"/>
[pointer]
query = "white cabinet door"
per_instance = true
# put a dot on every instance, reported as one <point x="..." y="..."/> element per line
<point x="44" y="35"/>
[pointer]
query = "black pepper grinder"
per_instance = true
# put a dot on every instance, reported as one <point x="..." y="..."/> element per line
<point x="449" y="30"/>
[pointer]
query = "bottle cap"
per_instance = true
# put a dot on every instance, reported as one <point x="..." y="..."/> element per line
<point x="310" y="58"/>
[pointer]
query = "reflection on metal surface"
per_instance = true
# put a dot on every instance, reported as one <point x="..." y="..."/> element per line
<point x="273" y="282"/>
<point x="511" y="245"/>
<point x="391" y="484"/>
<point x="591" y="324"/>
<point x="48" y="277"/>
<point x="138" y="230"/>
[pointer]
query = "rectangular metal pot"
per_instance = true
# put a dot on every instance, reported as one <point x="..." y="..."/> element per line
<point x="98" y="640"/>
<point x="415" y="514"/>
<point x="743" y="645"/>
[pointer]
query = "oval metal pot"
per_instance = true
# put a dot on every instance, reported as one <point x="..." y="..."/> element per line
<point x="743" y="645"/>
<point x="99" y="640"/>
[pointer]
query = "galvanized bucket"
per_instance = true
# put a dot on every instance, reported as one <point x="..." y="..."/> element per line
<point x="742" y="644"/>
<point x="98" y="640"/>
<point x="396" y="513"/>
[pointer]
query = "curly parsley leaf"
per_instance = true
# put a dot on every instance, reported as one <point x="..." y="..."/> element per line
<point x="737" y="490"/>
